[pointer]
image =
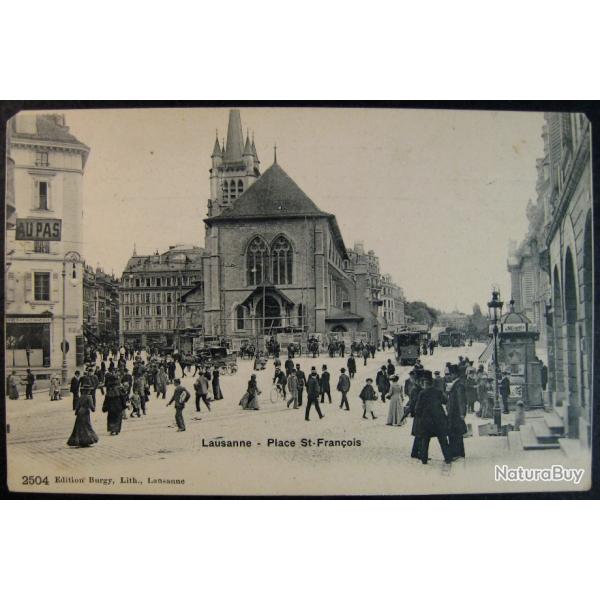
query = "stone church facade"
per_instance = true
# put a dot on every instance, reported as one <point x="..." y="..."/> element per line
<point x="274" y="261"/>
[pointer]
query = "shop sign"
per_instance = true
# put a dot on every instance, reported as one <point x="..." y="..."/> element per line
<point x="38" y="230"/>
<point x="514" y="327"/>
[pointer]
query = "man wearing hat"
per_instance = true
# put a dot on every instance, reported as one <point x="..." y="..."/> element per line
<point x="343" y="386"/>
<point x="438" y="382"/>
<point x="413" y="397"/>
<point x="457" y="410"/>
<point x="325" y="388"/>
<point x="430" y="419"/>
<point x="313" y="389"/>
<point x="301" y="377"/>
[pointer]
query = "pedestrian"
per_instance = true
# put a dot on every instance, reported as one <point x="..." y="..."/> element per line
<point x="201" y="389"/>
<point x="136" y="404"/>
<point x="180" y="397"/>
<point x="313" y="390"/>
<point x="431" y="347"/>
<point x="439" y="383"/>
<point x="83" y="434"/>
<point x="54" y="390"/>
<point x="74" y="388"/>
<point x="365" y="354"/>
<point x="216" y="384"/>
<point x="482" y="394"/>
<point x="504" y="389"/>
<point x="289" y="366"/>
<point x="280" y="382"/>
<point x="301" y="377"/>
<point x="396" y="407"/>
<point x="372" y="348"/>
<point x="413" y="397"/>
<point x="29" y="383"/>
<point x="113" y="403"/>
<point x="456" y="416"/>
<point x="12" y="386"/>
<point x="368" y="396"/>
<point x="161" y="383"/>
<point x="342" y="348"/>
<point x="249" y="400"/>
<point x="292" y="384"/>
<point x="351" y="364"/>
<point x="325" y="387"/>
<point x="382" y="382"/>
<point x="432" y="420"/>
<point x="471" y="389"/>
<point x="391" y="369"/>
<point x="343" y="386"/>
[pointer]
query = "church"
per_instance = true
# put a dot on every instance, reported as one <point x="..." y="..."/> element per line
<point x="274" y="261"/>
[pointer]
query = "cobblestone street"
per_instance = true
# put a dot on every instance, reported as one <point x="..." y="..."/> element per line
<point x="151" y="447"/>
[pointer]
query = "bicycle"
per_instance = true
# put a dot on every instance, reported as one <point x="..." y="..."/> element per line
<point x="276" y="394"/>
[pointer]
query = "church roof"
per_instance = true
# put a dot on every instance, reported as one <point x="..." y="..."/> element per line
<point x="275" y="195"/>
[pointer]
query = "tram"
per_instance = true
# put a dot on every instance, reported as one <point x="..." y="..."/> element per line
<point x="408" y="346"/>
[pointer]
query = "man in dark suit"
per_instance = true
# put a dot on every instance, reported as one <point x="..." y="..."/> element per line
<point x="504" y="389"/>
<point x="75" y="389"/>
<point x="325" y="387"/>
<point x="301" y="383"/>
<point x="29" y="385"/>
<point x="351" y="363"/>
<point x="313" y="389"/>
<point x="431" y="419"/>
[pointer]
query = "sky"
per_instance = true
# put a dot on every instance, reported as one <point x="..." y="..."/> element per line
<point x="436" y="194"/>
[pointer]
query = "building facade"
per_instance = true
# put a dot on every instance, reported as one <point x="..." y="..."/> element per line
<point x="274" y="261"/>
<point x="100" y="306"/>
<point x="552" y="270"/>
<point x="44" y="287"/>
<point x="152" y="294"/>
<point x="392" y="308"/>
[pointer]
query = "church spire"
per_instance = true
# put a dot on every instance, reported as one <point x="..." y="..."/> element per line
<point x="234" y="149"/>
<point x="254" y="150"/>
<point x="248" y="146"/>
<point x="216" y="149"/>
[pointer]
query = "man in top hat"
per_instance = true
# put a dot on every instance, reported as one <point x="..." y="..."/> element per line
<point x="457" y="409"/>
<point x="430" y="419"/>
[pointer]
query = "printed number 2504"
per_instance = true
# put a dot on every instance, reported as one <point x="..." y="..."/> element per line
<point x="34" y="480"/>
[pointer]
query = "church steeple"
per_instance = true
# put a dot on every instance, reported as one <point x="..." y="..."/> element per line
<point x="234" y="166"/>
<point x="234" y="149"/>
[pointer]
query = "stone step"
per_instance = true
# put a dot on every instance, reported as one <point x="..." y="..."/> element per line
<point x="555" y="423"/>
<point x="543" y="434"/>
<point x="515" y="443"/>
<point x="531" y="442"/>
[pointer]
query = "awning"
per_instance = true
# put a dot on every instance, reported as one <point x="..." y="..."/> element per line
<point x="488" y="354"/>
<point x="267" y="289"/>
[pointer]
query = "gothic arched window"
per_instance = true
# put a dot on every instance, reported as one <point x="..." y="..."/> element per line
<point x="239" y="317"/>
<point x="281" y="261"/>
<point x="257" y="257"/>
<point x="240" y="187"/>
<point x="225" y="190"/>
<point x="232" y="190"/>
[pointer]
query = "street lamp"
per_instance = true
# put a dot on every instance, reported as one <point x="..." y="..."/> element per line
<point x="495" y="312"/>
<point x="74" y="258"/>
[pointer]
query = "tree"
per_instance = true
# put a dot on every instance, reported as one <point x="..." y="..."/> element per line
<point x="477" y="324"/>
<point x="421" y="313"/>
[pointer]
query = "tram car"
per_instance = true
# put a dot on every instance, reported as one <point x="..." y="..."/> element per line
<point x="408" y="346"/>
<point x="218" y="356"/>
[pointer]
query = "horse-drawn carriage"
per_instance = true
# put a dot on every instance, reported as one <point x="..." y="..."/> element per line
<point x="217" y="356"/>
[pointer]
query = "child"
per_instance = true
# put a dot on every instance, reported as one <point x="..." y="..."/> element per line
<point x="136" y="404"/>
<point x="368" y="396"/>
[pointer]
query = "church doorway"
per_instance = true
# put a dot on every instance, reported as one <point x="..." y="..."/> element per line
<point x="272" y="315"/>
<point x="339" y="329"/>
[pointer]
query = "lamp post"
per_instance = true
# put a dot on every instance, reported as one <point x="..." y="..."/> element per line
<point x="74" y="258"/>
<point x="495" y="311"/>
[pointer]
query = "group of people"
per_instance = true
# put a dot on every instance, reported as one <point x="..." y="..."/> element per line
<point x="126" y="394"/>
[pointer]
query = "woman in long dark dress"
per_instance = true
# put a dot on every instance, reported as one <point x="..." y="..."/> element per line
<point x="216" y="385"/>
<point x="83" y="433"/>
<point x="113" y="403"/>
